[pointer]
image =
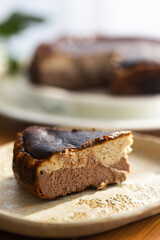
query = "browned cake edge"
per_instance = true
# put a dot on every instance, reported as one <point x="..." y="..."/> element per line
<point x="141" y="78"/>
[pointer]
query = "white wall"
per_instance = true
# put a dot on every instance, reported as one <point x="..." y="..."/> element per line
<point x="133" y="17"/>
<point x="118" y="17"/>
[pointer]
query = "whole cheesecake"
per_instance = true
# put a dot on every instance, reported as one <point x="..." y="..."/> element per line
<point x="50" y="162"/>
<point x="121" y="65"/>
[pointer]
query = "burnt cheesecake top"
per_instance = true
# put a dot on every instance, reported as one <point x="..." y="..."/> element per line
<point x="131" y="50"/>
<point x="42" y="142"/>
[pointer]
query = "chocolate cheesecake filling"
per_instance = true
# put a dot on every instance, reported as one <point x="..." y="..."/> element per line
<point x="51" y="163"/>
<point x="65" y="180"/>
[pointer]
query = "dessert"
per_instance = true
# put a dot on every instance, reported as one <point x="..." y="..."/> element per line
<point x="122" y="65"/>
<point x="50" y="162"/>
<point x="72" y="63"/>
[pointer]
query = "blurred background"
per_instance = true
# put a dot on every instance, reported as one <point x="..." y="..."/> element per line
<point x="85" y="17"/>
<point x="24" y="25"/>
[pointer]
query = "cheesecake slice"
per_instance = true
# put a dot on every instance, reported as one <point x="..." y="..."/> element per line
<point x="51" y="162"/>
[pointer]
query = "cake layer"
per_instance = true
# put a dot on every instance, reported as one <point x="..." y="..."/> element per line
<point x="94" y="175"/>
<point x="42" y="142"/>
<point x="51" y="162"/>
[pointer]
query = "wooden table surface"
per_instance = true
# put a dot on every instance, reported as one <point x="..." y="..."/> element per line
<point x="147" y="229"/>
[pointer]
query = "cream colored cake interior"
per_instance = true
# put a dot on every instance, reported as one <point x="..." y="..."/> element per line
<point x="93" y="65"/>
<point x="107" y="153"/>
<point x="56" y="64"/>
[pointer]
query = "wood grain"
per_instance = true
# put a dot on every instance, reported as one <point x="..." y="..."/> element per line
<point x="147" y="229"/>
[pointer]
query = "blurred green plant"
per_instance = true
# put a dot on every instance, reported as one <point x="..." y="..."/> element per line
<point x="16" y="23"/>
<point x="13" y="66"/>
<point x="13" y="25"/>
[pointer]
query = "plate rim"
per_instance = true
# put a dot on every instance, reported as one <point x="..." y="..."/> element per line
<point x="58" y="120"/>
<point x="53" y="118"/>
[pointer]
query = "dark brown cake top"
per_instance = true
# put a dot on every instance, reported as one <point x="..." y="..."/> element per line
<point x="131" y="50"/>
<point x="42" y="142"/>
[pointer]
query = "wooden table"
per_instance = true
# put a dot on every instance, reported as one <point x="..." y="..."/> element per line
<point x="146" y="229"/>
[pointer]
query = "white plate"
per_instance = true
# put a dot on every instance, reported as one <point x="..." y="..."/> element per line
<point x="48" y="105"/>
<point x="88" y="212"/>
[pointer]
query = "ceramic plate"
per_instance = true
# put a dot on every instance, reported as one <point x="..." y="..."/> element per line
<point x="48" y="105"/>
<point x="88" y="212"/>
